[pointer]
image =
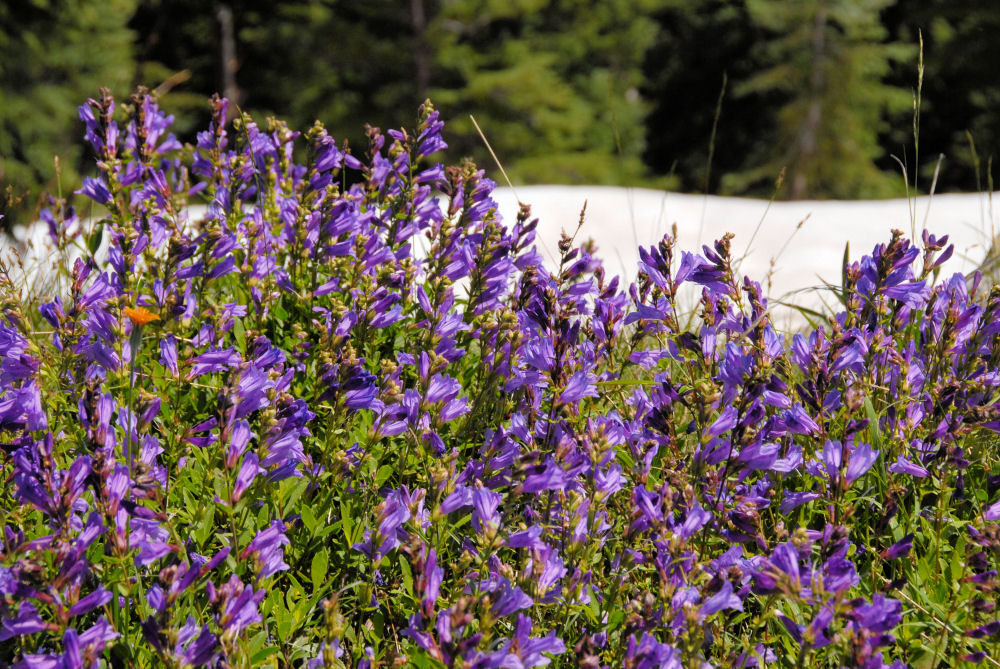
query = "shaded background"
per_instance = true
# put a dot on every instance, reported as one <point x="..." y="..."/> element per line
<point x="690" y="95"/>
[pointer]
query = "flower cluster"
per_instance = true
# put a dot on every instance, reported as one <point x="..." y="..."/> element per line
<point x="344" y="415"/>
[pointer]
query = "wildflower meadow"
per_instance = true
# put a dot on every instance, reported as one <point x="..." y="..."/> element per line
<point x="349" y="417"/>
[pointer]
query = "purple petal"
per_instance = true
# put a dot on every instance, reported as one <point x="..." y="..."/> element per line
<point x="724" y="599"/>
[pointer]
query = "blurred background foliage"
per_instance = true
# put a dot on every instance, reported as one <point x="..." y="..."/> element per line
<point x="695" y="95"/>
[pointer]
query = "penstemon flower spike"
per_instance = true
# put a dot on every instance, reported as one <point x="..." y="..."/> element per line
<point x="374" y="428"/>
<point x="139" y="317"/>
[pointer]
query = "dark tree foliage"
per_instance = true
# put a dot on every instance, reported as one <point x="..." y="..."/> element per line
<point x="831" y="58"/>
<point x="806" y="94"/>
<point x="300" y="60"/>
<point x="567" y="91"/>
<point x="177" y="49"/>
<point x="699" y="46"/>
<point x="48" y="66"/>
<point x="555" y="84"/>
<point x="961" y="91"/>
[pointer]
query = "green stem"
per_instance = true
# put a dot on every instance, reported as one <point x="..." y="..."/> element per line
<point x="135" y="340"/>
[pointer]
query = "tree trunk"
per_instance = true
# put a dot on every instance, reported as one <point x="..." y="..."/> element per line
<point x="808" y="141"/>
<point x="421" y="55"/>
<point x="227" y="48"/>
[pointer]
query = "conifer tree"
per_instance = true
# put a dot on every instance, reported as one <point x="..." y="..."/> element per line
<point x="53" y="55"/>
<point x="960" y="97"/>
<point x="553" y="83"/>
<point x="298" y="60"/>
<point x="703" y="50"/>
<point x="829" y="58"/>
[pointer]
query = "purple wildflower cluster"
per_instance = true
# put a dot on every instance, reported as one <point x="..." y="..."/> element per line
<point x="348" y="417"/>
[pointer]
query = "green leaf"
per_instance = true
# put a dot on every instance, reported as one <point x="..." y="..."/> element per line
<point x="348" y="521"/>
<point x="384" y="472"/>
<point x="593" y="610"/>
<point x="95" y="238"/>
<point x="843" y="266"/>
<point x="255" y="646"/>
<point x="958" y="565"/>
<point x="421" y="660"/>
<point x="317" y="570"/>
<point x="873" y="428"/>
<point x="282" y="618"/>
<point x="240" y="333"/>
<point x="308" y="519"/>
<point x="278" y="314"/>
<point x="404" y="566"/>
<point x="203" y="530"/>
<point x="258" y="658"/>
<point x="293" y="491"/>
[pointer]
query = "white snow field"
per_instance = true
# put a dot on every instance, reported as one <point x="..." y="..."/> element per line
<point x="809" y="235"/>
<point x="805" y="239"/>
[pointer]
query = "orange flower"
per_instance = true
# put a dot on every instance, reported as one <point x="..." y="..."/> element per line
<point x="140" y="315"/>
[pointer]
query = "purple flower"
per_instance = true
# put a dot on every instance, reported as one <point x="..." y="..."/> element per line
<point x="548" y="476"/>
<point x="150" y="550"/>
<point x="793" y="500"/>
<point x="195" y="650"/>
<point x="212" y="361"/>
<point x="987" y="630"/>
<point x="862" y="458"/>
<point x="98" y="597"/>
<point x="899" y="549"/>
<point x="904" y="466"/>
<point x="525" y="651"/>
<point x="453" y="409"/>
<point x="239" y="437"/>
<point x="580" y="385"/>
<point x="880" y="616"/>
<point x="649" y="506"/>
<point x="25" y="621"/>
<point x="266" y="547"/>
<point x="799" y="422"/>
<point x="648" y="653"/>
<point x="914" y="293"/>
<point x="248" y="472"/>
<point x="394" y="512"/>
<point x="510" y="599"/>
<point x="429" y="140"/>
<point x="485" y="503"/>
<point x="96" y="190"/>
<point x="461" y="496"/>
<point x="239" y="606"/>
<point x="725" y="422"/>
<point x="284" y="453"/>
<point x="839" y="573"/>
<point x="696" y="518"/>
<point x="759" y="456"/>
<point x="442" y="388"/>
<point x="227" y="266"/>
<point x="993" y="513"/>
<point x="75" y="650"/>
<point x="360" y="390"/>
<point x="168" y="353"/>
<point x="431" y="580"/>
<point x="782" y="572"/>
<point x="723" y="599"/>
<point x="252" y="392"/>
<point x="529" y="538"/>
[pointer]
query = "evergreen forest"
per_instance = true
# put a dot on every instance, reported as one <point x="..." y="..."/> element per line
<point x="838" y="97"/>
